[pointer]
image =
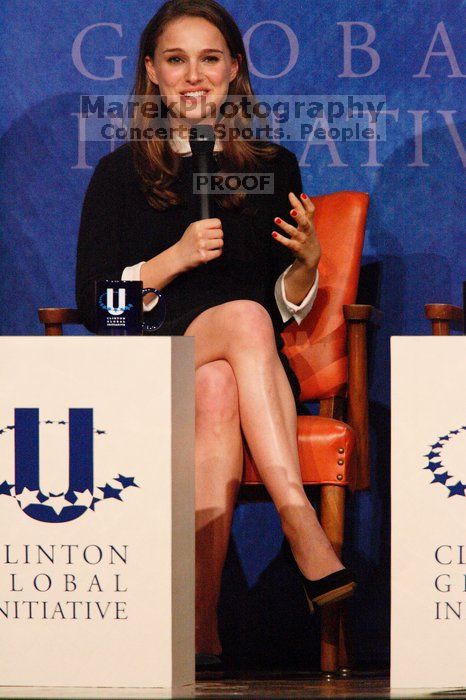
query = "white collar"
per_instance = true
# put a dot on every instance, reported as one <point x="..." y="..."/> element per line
<point x="181" y="145"/>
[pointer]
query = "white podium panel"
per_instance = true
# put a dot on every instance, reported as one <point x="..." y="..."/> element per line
<point x="428" y="635"/>
<point x="97" y="511"/>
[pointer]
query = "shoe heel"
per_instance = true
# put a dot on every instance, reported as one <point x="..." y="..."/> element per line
<point x="324" y="591"/>
<point x="309" y="602"/>
<point x="336" y="595"/>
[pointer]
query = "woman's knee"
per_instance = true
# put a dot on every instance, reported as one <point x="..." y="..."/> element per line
<point x="216" y="391"/>
<point x="250" y="325"/>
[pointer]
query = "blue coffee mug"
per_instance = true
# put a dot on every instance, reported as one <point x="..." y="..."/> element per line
<point x="120" y="308"/>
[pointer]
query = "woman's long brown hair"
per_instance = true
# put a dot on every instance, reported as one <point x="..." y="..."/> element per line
<point x="156" y="162"/>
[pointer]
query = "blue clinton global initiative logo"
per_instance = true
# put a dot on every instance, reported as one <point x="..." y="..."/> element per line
<point x="81" y="494"/>
<point x="437" y="463"/>
<point x="106" y="302"/>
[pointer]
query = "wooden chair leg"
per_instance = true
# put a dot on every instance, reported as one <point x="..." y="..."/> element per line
<point x="330" y="624"/>
<point x="344" y="656"/>
<point x="334" y="619"/>
<point x="332" y="515"/>
<point x="53" y="329"/>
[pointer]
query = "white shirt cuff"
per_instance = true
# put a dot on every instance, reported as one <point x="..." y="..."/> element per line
<point x="287" y="308"/>
<point x="133" y="274"/>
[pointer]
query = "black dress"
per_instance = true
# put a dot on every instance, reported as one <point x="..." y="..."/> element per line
<point x="119" y="228"/>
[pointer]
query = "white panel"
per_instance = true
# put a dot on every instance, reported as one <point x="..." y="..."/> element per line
<point x="127" y="382"/>
<point x="428" y="643"/>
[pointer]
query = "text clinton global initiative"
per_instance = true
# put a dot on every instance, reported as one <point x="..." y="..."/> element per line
<point x="45" y="586"/>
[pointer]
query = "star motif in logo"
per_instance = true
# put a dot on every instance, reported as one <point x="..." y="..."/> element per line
<point x="110" y="492"/>
<point x="457" y="490"/>
<point x="57" y="503"/>
<point x="432" y="454"/>
<point x="441" y="478"/>
<point x="94" y="501"/>
<point x="5" y="489"/>
<point x="433" y="466"/>
<point x="126" y="481"/>
<point x="83" y="498"/>
<point x="26" y="498"/>
<point x="436" y="452"/>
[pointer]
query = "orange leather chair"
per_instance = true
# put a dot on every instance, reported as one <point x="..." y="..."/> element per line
<point x="328" y="354"/>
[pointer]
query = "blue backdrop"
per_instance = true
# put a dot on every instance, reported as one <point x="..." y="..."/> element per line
<point x="53" y="52"/>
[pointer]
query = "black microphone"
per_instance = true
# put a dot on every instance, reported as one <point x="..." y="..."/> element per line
<point x="202" y="141"/>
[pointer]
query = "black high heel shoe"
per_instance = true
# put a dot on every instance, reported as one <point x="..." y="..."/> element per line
<point x="329" y="589"/>
<point x="209" y="666"/>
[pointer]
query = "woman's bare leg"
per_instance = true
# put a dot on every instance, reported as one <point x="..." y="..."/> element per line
<point x="219" y="464"/>
<point x="241" y="332"/>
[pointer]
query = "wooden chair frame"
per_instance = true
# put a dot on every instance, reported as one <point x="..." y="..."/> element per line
<point x="442" y="316"/>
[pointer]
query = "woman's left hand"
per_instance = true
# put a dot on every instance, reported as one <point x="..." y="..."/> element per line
<point x="303" y="239"/>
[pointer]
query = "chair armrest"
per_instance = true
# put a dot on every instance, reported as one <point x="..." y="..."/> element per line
<point x="357" y="316"/>
<point x="441" y="315"/>
<point x="362" y="312"/>
<point x="53" y="319"/>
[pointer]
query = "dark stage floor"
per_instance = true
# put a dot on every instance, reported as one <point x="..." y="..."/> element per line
<point x="374" y="684"/>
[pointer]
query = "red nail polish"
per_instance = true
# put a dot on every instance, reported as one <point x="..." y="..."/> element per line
<point x="294" y="212"/>
<point x="274" y="234"/>
<point x="304" y="196"/>
<point x="277" y="220"/>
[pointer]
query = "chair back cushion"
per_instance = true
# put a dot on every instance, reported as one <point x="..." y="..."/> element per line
<point x="316" y="349"/>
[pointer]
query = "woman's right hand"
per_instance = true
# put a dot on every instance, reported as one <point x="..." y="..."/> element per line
<point x="200" y="243"/>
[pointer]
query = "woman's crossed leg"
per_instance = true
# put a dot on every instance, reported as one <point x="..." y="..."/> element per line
<point x="240" y="381"/>
<point x="219" y="466"/>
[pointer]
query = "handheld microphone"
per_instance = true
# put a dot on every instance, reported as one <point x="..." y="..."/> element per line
<point x="202" y="141"/>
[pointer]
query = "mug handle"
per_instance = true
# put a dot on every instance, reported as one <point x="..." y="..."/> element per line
<point x="163" y="309"/>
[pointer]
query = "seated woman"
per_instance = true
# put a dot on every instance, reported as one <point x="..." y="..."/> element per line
<point x="232" y="281"/>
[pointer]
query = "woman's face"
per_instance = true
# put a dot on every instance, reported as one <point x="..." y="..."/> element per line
<point x="192" y="59"/>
